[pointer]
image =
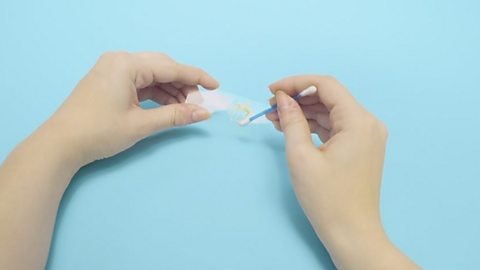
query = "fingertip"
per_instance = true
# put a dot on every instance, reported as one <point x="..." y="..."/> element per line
<point x="188" y="89"/>
<point x="272" y="101"/>
<point x="216" y="85"/>
<point x="272" y="116"/>
<point x="200" y="115"/>
<point x="277" y="126"/>
<point x="286" y="84"/>
<point x="275" y="86"/>
<point x="209" y="82"/>
<point x="197" y="113"/>
<point x="272" y="87"/>
<point x="282" y="100"/>
<point x="171" y="100"/>
<point x="279" y="93"/>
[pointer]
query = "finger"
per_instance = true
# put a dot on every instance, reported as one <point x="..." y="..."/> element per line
<point x="164" y="117"/>
<point x="178" y="85"/>
<point x="272" y="116"/>
<point x="293" y="123"/>
<point x="186" y="90"/>
<point x="190" y="75"/>
<point x="323" y="119"/>
<point x="167" y="87"/>
<point x="308" y="100"/>
<point x="144" y="94"/>
<point x="162" y="97"/>
<point x="317" y="113"/>
<point x="272" y="101"/>
<point x="317" y="108"/>
<point x="156" y="94"/>
<point x="151" y="68"/>
<point x="312" y="110"/>
<point x="181" y="97"/>
<point x="329" y="90"/>
<point x="277" y="126"/>
<point x="324" y="134"/>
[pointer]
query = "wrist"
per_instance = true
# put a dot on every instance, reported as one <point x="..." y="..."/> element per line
<point x="355" y="241"/>
<point x="62" y="138"/>
<point x="42" y="162"/>
<point x="53" y="145"/>
<point x="365" y="247"/>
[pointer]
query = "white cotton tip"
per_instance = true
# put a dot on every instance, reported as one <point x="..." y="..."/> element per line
<point x="308" y="91"/>
<point x="244" y="122"/>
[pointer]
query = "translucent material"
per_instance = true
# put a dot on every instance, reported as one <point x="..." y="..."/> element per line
<point x="237" y="107"/>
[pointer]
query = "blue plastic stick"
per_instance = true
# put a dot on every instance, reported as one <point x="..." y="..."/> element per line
<point x="308" y="91"/>
<point x="269" y="110"/>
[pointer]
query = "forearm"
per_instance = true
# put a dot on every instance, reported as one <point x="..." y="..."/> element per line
<point x="101" y="118"/>
<point x="366" y="248"/>
<point x="33" y="179"/>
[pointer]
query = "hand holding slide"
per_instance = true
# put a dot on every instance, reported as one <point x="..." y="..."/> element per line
<point x="101" y="117"/>
<point x="103" y="114"/>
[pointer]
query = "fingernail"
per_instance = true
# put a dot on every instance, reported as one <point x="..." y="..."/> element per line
<point x="272" y="101"/>
<point x="200" y="115"/>
<point x="282" y="100"/>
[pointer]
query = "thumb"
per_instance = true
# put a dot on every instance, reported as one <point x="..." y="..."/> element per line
<point x="293" y="123"/>
<point x="172" y="115"/>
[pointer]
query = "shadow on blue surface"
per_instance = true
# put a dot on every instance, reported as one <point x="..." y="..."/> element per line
<point x="295" y="213"/>
<point x="139" y="150"/>
<point x="288" y="200"/>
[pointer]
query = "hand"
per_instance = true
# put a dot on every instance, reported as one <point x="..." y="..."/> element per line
<point x="338" y="183"/>
<point x="102" y="116"/>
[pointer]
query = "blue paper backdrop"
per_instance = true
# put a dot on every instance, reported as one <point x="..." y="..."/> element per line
<point x="213" y="196"/>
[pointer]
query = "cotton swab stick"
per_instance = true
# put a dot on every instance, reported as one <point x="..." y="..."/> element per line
<point x="308" y="91"/>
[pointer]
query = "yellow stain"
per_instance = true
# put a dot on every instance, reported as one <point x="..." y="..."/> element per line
<point x="239" y="111"/>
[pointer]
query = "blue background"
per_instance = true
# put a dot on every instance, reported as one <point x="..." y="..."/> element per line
<point x="213" y="196"/>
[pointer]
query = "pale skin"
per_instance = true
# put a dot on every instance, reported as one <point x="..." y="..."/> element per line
<point x="337" y="184"/>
